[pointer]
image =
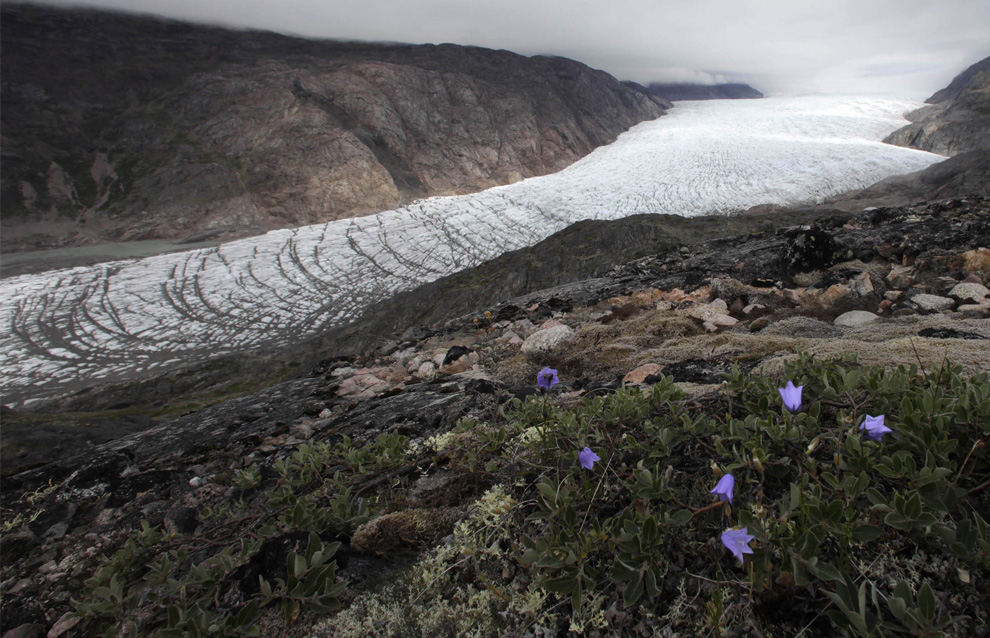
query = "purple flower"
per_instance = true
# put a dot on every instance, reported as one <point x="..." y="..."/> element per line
<point x="588" y="458"/>
<point x="791" y="397"/>
<point x="737" y="542"/>
<point x="547" y="378"/>
<point x="874" y="427"/>
<point x="724" y="488"/>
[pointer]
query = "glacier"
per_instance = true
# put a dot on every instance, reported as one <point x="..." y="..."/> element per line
<point x="64" y="330"/>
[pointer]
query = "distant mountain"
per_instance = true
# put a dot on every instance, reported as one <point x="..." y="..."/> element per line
<point x="675" y="92"/>
<point x="957" y="119"/>
<point x="119" y="127"/>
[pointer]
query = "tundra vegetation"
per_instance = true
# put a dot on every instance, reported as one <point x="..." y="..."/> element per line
<point x="607" y="514"/>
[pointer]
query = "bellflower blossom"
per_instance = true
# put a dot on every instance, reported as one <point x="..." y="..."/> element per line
<point x="791" y="396"/>
<point x="874" y="428"/>
<point x="587" y="458"/>
<point x="547" y="378"/>
<point x="737" y="542"/>
<point x="724" y="488"/>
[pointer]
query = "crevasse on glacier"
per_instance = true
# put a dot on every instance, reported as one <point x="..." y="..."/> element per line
<point x="63" y="330"/>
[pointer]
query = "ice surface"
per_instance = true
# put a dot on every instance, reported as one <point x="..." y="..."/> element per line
<point x="112" y="321"/>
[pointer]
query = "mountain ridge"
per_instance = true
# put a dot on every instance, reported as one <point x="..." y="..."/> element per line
<point x="175" y="131"/>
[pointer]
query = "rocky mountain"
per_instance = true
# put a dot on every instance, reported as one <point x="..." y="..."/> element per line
<point x="688" y="91"/>
<point x="118" y="127"/>
<point x="957" y="119"/>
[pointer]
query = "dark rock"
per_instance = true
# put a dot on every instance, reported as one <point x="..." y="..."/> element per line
<point x="27" y="630"/>
<point x="17" y="543"/>
<point x="693" y="371"/>
<point x="453" y="354"/>
<point x="948" y="333"/>
<point x="811" y="249"/>
<point x="181" y="520"/>
<point x="687" y="91"/>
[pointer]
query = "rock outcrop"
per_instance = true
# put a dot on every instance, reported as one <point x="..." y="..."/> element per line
<point x="687" y="91"/>
<point x="957" y="119"/>
<point x="964" y="175"/>
<point x="124" y="128"/>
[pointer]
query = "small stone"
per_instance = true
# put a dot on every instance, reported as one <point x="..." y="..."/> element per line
<point x="834" y="293"/>
<point x="388" y="348"/>
<point x="639" y="374"/>
<point x="27" y="630"/>
<point x="974" y="310"/>
<point x="720" y="306"/>
<point x="931" y="303"/>
<point x="548" y="340"/>
<point x="904" y="312"/>
<point x="426" y="371"/>
<point x="893" y="295"/>
<point x="976" y="260"/>
<point x="196" y="481"/>
<point x="854" y="318"/>
<point x="861" y="285"/>
<point x="55" y="532"/>
<point x="65" y="623"/>
<point x="969" y="293"/>
<point x="901" y="277"/>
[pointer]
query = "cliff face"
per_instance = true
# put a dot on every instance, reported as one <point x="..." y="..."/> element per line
<point x="684" y="91"/>
<point x="124" y="128"/>
<point x="957" y="119"/>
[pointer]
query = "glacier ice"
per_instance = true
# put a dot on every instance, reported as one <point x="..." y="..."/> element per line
<point x="118" y="320"/>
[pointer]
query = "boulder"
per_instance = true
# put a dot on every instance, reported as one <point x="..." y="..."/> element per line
<point x="854" y="318"/>
<point x="969" y="293"/>
<point x="931" y="303"/>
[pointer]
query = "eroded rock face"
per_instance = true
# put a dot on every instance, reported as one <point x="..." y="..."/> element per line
<point x="957" y="119"/>
<point x="215" y="133"/>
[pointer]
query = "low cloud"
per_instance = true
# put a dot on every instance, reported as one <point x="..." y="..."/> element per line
<point x="680" y="75"/>
<point x="911" y="47"/>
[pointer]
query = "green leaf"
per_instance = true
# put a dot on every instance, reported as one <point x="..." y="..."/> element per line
<point x="866" y="533"/>
<point x="898" y="607"/>
<point x="680" y="517"/>
<point x="897" y="521"/>
<point x="827" y="571"/>
<point x="927" y="602"/>
<point x="633" y="592"/>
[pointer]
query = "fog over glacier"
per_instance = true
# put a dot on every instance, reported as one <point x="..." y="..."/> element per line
<point x="63" y="330"/>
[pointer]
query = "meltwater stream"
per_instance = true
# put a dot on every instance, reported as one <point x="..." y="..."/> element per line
<point x="67" y="329"/>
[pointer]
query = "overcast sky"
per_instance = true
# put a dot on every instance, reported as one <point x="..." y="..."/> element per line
<point x="904" y="47"/>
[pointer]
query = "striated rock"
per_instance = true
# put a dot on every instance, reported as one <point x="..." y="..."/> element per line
<point x="544" y="341"/>
<point x="854" y="318"/>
